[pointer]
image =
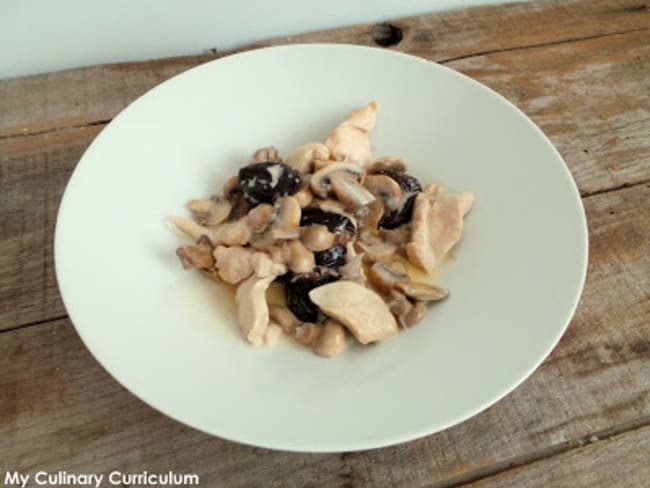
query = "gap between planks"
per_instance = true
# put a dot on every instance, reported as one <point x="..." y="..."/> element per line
<point x="442" y="61"/>
<point x="541" y="44"/>
<point x="543" y="454"/>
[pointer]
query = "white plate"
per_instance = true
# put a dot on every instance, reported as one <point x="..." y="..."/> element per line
<point x="169" y="335"/>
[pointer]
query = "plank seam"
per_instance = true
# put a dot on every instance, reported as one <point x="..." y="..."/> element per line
<point x="622" y="186"/>
<point x="32" y="324"/>
<point x="543" y="454"/>
<point x="541" y="44"/>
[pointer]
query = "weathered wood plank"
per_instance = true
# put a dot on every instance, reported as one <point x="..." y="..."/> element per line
<point x="33" y="174"/>
<point x="591" y="97"/>
<point x="620" y="461"/>
<point x="603" y="83"/>
<point x="82" y="96"/>
<point x="57" y="410"/>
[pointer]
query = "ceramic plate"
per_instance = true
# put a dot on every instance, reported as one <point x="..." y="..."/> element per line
<point x="170" y="336"/>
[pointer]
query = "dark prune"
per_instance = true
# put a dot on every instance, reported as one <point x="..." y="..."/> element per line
<point x="411" y="187"/>
<point x="335" y="223"/>
<point x="332" y="257"/>
<point x="297" y="294"/>
<point x="263" y="182"/>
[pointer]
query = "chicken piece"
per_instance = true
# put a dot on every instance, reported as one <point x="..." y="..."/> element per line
<point x="272" y="334"/>
<point x="228" y="233"/>
<point x="332" y="339"/>
<point x="299" y="259"/>
<point x="349" y="141"/>
<point x="264" y="266"/>
<point x="362" y="311"/>
<point x="233" y="263"/>
<point x="252" y="309"/>
<point x="437" y="226"/>
<point x="302" y="158"/>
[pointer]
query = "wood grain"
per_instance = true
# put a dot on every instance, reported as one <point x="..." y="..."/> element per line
<point x="619" y="461"/>
<point x="88" y="95"/>
<point x="33" y="174"/>
<point x="58" y="408"/>
<point x="603" y="83"/>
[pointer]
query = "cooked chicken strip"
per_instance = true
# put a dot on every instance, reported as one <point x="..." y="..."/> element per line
<point x="233" y="263"/>
<point x="361" y="310"/>
<point x="437" y="226"/>
<point x="349" y="141"/>
<point x="252" y="309"/>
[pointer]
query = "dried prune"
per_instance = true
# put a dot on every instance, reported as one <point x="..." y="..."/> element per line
<point x="263" y="182"/>
<point x="411" y="187"/>
<point x="335" y="223"/>
<point x="332" y="257"/>
<point x="297" y="293"/>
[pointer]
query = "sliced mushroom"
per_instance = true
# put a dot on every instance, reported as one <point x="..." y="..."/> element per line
<point x="302" y="158"/>
<point x="285" y="317"/>
<point x="422" y="291"/>
<point x="198" y="255"/>
<point x="317" y="237"/>
<point x="384" y="277"/>
<point x="240" y="207"/>
<point x="233" y="263"/>
<point x="386" y="188"/>
<point x="231" y="187"/>
<point x="332" y="339"/>
<point x="262" y="241"/>
<point x="307" y="333"/>
<point x="269" y="153"/>
<point x="349" y="141"/>
<point x="415" y="315"/>
<point x="349" y="191"/>
<point x="399" y="235"/>
<point x="252" y="309"/>
<point x="353" y="270"/>
<point x="388" y="162"/>
<point x="362" y="311"/>
<point x="374" y="248"/>
<point x="371" y="215"/>
<point x="288" y="212"/>
<point x="259" y="218"/>
<point x="321" y="182"/>
<point x="321" y="163"/>
<point x="400" y="306"/>
<point x="285" y="233"/>
<point x="299" y="259"/>
<point x="210" y="211"/>
<point x="304" y="196"/>
<point x="336" y="207"/>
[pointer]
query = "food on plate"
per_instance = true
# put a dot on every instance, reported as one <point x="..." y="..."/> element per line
<point x="327" y="245"/>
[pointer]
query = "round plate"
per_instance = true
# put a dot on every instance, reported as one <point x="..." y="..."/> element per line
<point x="170" y="336"/>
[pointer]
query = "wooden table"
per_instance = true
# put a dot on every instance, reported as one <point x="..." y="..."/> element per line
<point x="580" y="69"/>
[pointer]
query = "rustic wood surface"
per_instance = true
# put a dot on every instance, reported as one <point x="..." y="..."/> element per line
<point x="580" y="69"/>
